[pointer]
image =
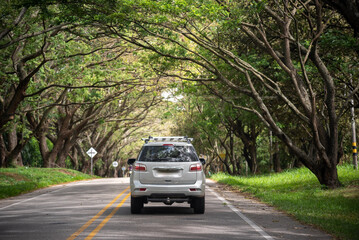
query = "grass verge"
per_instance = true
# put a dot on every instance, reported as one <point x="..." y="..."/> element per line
<point x="299" y="193"/>
<point x="15" y="181"/>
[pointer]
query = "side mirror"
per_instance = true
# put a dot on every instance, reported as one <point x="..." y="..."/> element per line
<point x="203" y="161"/>
<point x="130" y="161"/>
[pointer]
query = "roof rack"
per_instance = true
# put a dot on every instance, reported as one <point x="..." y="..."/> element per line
<point x="168" y="139"/>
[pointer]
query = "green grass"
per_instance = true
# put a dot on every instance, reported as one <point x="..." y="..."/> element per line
<point x="15" y="181"/>
<point x="299" y="193"/>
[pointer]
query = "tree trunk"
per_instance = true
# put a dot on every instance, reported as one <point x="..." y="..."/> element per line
<point x="248" y="139"/>
<point x="15" y="145"/>
<point x="276" y="159"/>
<point x="51" y="159"/>
<point x="44" y="149"/>
<point x="62" y="155"/>
<point x="12" y="142"/>
<point x="2" y="151"/>
<point x="250" y="155"/>
<point x="74" y="158"/>
<point x="327" y="176"/>
<point x="253" y="154"/>
<point x="86" y="167"/>
<point x="225" y="163"/>
<point x="232" y="156"/>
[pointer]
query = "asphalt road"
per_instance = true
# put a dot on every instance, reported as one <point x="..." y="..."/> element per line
<point x="100" y="209"/>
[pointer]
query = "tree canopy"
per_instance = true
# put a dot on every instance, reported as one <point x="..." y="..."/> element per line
<point x="92" y="73"/>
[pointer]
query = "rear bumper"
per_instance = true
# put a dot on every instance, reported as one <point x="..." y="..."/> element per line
<point x="147" y="190"/>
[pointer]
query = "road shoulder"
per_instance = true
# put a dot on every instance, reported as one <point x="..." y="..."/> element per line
<point x="277" y="224"/>
<point x="12" y="201"/>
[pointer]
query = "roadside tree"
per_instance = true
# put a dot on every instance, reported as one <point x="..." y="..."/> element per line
<point x="275" y="51"/>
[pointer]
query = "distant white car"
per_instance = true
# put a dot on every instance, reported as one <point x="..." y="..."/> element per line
<point x="167" y="170"/>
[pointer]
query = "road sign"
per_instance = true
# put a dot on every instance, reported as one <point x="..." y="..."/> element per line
<point x="115" y="164"/>
<point x="123" y="168"/>
<point x="91" y="152"/>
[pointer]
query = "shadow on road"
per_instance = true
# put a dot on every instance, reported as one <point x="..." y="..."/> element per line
<point x="165" y="210"/>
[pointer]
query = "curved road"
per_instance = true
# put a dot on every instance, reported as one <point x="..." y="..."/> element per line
<point x="100" y="209"/>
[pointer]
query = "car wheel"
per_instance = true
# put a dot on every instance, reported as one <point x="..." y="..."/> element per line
<point x="136" y="204"/>
<point x="198" y="205"/>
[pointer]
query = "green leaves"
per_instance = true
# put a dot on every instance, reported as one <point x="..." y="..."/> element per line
<point x="337" y="40"/>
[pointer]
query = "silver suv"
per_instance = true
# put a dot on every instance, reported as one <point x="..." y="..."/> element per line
<point x="167" y="170"/>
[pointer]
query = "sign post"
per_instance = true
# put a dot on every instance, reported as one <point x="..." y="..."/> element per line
<point x="115" y="165"/>
<point x="123" y="171"/>
<point x="91" y="152"/>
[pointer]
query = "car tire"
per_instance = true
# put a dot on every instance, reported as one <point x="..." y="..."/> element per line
<point x="198" y="205"/>
<point x="136" y="205"/>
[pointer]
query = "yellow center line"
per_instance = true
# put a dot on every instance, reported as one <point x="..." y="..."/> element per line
<point x="94" y="232"/>
<point x="73" y="236"/>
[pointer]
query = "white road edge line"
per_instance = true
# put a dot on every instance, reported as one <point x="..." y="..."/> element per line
<point x="241" y="215"/>
<point x="63" y="186"/>
<point x="29" y="199"/>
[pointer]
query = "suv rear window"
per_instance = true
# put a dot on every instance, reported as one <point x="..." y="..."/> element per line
<point x="168" y="153"/>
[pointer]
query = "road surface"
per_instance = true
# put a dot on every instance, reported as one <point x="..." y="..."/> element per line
<point x="100" y="209"/>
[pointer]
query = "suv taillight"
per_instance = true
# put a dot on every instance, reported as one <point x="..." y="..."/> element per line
<point x="195" y="167"/>
<point x="140" y="167"/>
